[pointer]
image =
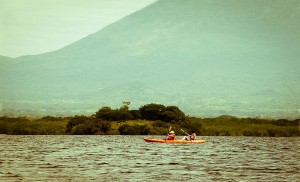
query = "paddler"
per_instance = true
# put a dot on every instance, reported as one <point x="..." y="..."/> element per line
<point x="192" y="136"/>
<point x="171" y="135"/>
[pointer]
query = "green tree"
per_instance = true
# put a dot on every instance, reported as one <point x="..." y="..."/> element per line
<point x="122" y="115"/>
<point x="134" y="130"/>
<point x="91" y="127"/>
<point x="173" y="113"/>
<point x="105" y="113"/>
<point x="135" y="114"/>
<point x="161" y="112"/>
<point x="153" y="111"/>
<point x="108" y="114"/>
<point x="103" y="126"/>
<point x="76" y="120"/>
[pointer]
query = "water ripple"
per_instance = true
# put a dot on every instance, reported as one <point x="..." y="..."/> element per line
<point x="129" y="158"/>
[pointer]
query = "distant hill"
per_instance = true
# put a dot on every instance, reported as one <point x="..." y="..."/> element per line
<point x="4" y="58"/>
<point x="210" y="58"/>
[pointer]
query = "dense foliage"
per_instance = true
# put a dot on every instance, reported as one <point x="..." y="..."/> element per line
<point x="151" y="119"/>
<point x="25" y="126"/>
<point x="148" y="112"/>
<point x="162" y="113"/>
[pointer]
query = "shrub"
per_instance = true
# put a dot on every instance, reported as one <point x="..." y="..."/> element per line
<point x="134" y="130"/>
<point x="76" y="120"/>
<point x="161" y="112"/>
<point x="108" y="114"/>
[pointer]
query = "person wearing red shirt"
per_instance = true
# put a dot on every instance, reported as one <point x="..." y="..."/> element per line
<point x="171" y="135"/>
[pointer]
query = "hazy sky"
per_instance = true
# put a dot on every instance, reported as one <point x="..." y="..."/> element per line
<point x="38" y="26"/>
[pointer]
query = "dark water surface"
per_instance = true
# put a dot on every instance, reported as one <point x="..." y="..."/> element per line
<point x="129" y="158"/>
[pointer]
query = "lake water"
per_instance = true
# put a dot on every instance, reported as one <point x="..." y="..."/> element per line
<point x="129" y="158"/>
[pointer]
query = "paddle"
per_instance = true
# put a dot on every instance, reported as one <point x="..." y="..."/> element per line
<point x="185" y="133"/>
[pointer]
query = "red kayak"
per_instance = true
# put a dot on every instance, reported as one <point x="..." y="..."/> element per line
<point x="173" y="141"/>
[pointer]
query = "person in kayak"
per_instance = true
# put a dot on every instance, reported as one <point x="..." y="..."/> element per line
<point x="171" y="135"/>
<point x="192" y="136"/>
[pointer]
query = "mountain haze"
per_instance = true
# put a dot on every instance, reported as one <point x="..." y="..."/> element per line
<point x="209" y="58"/>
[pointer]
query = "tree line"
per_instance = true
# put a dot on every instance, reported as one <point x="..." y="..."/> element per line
<point x="149" y="119"/>
<point x="101" y="122"/>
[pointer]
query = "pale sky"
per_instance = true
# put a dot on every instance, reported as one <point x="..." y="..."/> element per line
<point x="29" y="27"/>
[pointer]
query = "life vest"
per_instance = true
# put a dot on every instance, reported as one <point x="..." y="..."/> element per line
<point x="171" y="137"/>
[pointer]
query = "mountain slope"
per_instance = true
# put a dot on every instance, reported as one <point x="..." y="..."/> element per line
<point x="208" y="57"/>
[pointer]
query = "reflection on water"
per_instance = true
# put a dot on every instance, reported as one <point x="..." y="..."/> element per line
<point x="129" y="158"/>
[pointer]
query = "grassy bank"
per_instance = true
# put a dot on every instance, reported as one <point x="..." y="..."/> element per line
<point x="26" y="126"/>
<point x="232" y="126"/>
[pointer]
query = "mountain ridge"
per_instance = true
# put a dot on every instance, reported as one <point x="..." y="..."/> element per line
<point x="206" y="57"/>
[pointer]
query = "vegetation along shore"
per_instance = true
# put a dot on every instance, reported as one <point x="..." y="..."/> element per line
<point x="150" y="119"/>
